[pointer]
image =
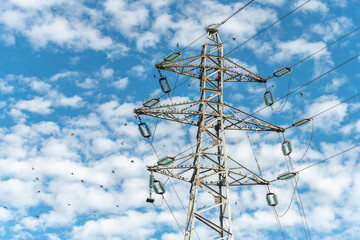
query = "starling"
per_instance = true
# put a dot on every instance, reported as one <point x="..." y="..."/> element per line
<point x="37" y="216"/>
<point x="68" y="204"/>
<point x="39" y="191"/>
<point x="177" y="45"/>
<point x="233" y="39"/>
<point x="72" y="134"/>
<point x="122" y="143"/>
<point x="132" y="161"/>
<point x="37" y="178"/>
<point x="101" y="186"/>
<point x="82" y="180"/>
<point x="117" y="205"/>
<point x="125" y="124"/>
<point x="301" y="94"/>
<point x="113" y="171"/>
<point x="72" y="173"/>
<point x="33" y="168"/>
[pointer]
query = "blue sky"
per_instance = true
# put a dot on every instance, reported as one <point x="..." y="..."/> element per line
<point x="71" y="73"/>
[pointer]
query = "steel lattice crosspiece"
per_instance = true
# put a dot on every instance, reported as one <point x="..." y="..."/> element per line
<point x="209" y="170"/>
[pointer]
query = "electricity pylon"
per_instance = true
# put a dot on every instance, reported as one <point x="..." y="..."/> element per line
<point x="209" y="170"/>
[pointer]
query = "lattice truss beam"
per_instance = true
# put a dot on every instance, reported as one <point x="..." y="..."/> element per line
<point x="188" y="113"/>
<point x="192" y="67"/>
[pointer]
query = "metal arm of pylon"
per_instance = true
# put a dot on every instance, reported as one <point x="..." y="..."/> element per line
<point x="191" y="67"/>
<point x="187" y="113"/>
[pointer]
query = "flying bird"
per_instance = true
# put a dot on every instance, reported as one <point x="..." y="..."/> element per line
<point x="301" y="94"/>
<point x="33" y="168"/>
<point x="39" y="191"/>
<point x="68" y="204"/>
<point x="37" y="178"/>
<point x="113" y="171"/>
<point x="132" y="161"/>
<point x="122" y="143"/>
<point x="72" y="173"/>
<point x="72" y="134"/>
<point x="101" y="186"/>
<point x="177" y="45"/>
<point x="233" y="39"/>
<point x="117" y="205"/>
<point x="37" y="216"/>
<point x="154" y="76"/>
<point x="82" y="180"/>
<point x="125" y="124"/>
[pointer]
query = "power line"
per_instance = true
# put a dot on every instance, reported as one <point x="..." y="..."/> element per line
<point x="218" y="25"/>
<point x="226" y="19"/>
<point x="356" y="95"/>
<point x="315" y="79"/>
<point x="173" y="216"/>
<point x="308" y="146"/>
<point x="321" y="49"/>
<point x="328" y="109"/>
<point x="325" y="47"/>
<point x="326" y="159"/>
<point x="267" y="27"/>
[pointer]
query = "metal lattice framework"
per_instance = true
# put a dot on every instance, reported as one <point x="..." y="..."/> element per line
<point x="209" y="170"/>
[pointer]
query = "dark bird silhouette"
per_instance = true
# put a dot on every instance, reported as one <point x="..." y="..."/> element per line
<point x="82" y="180"/>
<point x="68" y="204"/>
<point x="301" y="94"/>
<point x="72" y="173"/>
<point x="125" y="124"/>
<point x="113" y="171"/>
<point x="154" y="76"/>
<point x="122" y="143"/>
<point x="233" y="39"/>
<point x="188" y="85"/>
<point x="37" y="216"/>
<point x="33" y="168"/>
<point x="6" y="207"/>
<point x="72" y="134"/>
<point x="39" y="191"/>
<point x="37" y="178"/>
<point x="132" y="161"/>
<point x="94" y="211"/>
<point x="117" y="205"/>
<point x="177" y="45"/>
<point x="101" y="186"/>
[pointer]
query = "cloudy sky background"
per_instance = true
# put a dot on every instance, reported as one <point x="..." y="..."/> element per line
<point x="71" y="73"/>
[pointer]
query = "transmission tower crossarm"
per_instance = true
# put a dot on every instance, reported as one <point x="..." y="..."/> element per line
<point x="188" y="114"/>
<point x="190" y="66"/>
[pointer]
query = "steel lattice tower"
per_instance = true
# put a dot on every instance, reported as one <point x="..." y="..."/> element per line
<point x="209" y="170"/>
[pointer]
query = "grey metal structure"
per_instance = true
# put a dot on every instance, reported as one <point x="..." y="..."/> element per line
<point x="209" y="170"/>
